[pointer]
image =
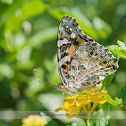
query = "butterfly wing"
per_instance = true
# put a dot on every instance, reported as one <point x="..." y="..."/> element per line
<point x="82" y="62"/>
<point x="70" y="37"/>
<point x="93" y="63"/>
<point x="90" y="64"/>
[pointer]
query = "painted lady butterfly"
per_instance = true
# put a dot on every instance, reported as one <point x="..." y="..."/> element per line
<point x="82" y="62"/>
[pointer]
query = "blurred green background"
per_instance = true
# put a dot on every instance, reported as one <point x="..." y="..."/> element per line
<point x="28" y="40"/>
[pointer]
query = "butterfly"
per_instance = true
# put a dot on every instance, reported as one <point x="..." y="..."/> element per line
<point x="82" y="62"/>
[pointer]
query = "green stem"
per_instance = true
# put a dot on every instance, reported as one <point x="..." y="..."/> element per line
<point x="87" y="122"/>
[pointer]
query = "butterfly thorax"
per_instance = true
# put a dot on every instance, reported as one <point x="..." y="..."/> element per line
<point x="62" y="87"/>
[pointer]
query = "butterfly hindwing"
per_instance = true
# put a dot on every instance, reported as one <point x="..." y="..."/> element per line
<point x="90" y="64"/>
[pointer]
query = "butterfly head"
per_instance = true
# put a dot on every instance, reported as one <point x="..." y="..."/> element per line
<point x="61" y="87"/>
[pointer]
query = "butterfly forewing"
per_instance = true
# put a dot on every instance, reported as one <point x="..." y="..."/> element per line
<point x="70" y="37"/>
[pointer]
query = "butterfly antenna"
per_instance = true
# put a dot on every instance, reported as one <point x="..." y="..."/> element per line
<point x="45" y="76"/>
<point x="45" y="82"/>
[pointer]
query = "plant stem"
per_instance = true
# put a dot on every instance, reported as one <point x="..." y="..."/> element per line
<point x="87" y="122"/>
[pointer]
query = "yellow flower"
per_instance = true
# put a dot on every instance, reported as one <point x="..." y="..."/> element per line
<point x="33" y="120"/>
<point x="86" y="104"/>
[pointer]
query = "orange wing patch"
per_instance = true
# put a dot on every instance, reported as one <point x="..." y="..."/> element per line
<point x="71" y="51"/>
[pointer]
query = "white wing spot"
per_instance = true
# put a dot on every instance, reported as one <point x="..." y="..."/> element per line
<point x="70" y="29"/>
<point x="60" y="28"/>
<point x="73" y="35"/>
<point x="64" y="41"/>
<point x="101" y="77"/>
<point x="66" y="26"/>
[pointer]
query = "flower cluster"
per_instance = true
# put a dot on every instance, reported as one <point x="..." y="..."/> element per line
<point x="33" y="120"/>
<point x="86" y="104"/>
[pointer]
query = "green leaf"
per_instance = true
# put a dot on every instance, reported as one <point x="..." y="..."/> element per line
<point x="103" y="121"/>
<point x="56" y="13"/>
<point x="107" y="80"/>
<point x="9" y="2"/>
<point x="123" y="95"/>
<point x="111" y="101"/>
<point x="22" y="13"/>
<point x="123" y="92"/>
<point x="103" y="29"/>
<point x="32" y="8"/>
<point x="2" y="54"/>
<point x="43" y="36"/>
<point x="51" y="123"/>
<point x="119" y="49"/>
<point x="121" y="44"/>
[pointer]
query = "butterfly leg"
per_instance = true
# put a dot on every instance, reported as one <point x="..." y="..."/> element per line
<point x="63" y="96"/>
<point x="98" y="85"/>
<point x="91" y="90"/>
<point x="73" y="98"/>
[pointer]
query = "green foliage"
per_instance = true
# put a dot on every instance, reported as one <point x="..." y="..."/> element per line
<point x="123" y="92"/>
<point x="119" y="49"/>
<point x="111" y="101"/>
<point x="107" y="80"/>
<point x="103" y="29"/>
<point x="123" y="95"/>
<point x="103" y="121"/>
<point x="28" y="35"/>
